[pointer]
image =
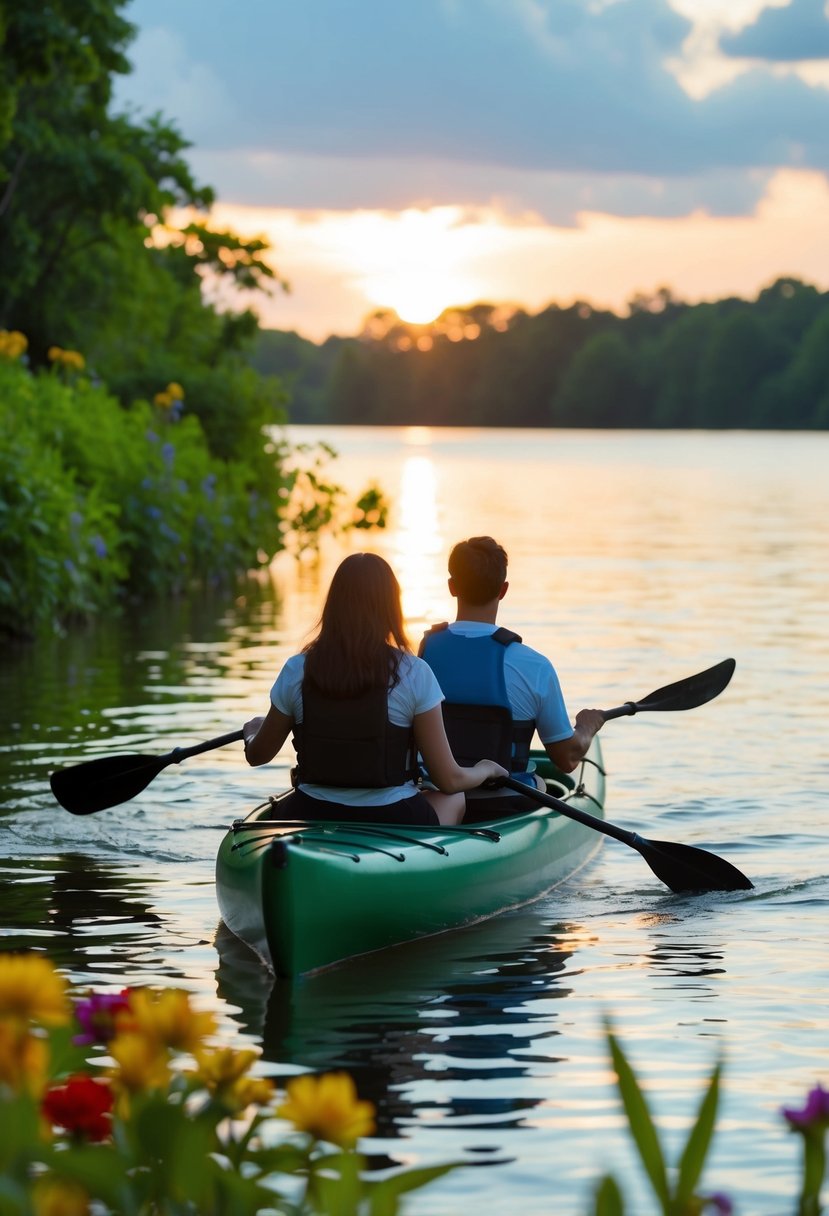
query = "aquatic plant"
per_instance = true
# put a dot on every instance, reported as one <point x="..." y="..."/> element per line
<point x="677" y="1191"/>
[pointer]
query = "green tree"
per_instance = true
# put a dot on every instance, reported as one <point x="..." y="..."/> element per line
<point x="602" y="387"/>
<point x="742" y="353"/>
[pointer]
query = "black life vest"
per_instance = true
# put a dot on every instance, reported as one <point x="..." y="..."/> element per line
<point x="476" y="711"/>
<point x="350" y="742"/>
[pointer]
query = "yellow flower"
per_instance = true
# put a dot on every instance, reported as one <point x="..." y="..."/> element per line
<point x="140" y="1063"/>
<point x="12" y="343"/>
<point x="223" y="1072"/>
<point x="175" y="391"/>
<point x="220" y="1066"/>
<point x="327" y="1108"/>
<point x="73" y="358"/>
<point x="53" y="1196"/>
<point x="54" y="354"/>
<point x="164" y="401"/>
<point x="167" y="1017"/>
<point x="32" y="990"/>
<point x="24" y="1058"/>
<point x="249" y="1091"/>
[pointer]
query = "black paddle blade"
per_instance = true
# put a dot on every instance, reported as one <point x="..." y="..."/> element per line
<point x="95" y="785"/>
<point x="685" y="868"/>
<point x="693" y="690"/>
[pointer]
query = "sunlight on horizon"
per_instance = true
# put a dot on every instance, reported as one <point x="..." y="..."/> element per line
<point x="345" y="265"/>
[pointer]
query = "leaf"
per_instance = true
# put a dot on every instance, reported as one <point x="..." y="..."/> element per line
<point x="608" y="1198"/>
<point x="383" y="1195"/>
<point x="696" y="1150"/>
<point x="640" y="1123"/>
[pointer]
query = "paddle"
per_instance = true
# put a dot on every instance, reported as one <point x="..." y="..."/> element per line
<point x="683" y="694"/>
<point x="682" y="867"/>
<point x="95" y="785"/>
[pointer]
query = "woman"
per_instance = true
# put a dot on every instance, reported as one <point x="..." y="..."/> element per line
<point x="361" y="707"/>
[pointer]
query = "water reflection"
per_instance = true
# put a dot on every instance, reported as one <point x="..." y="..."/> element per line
<point x="443" y="1029"/>
<point x="418" y="538"/>
<point x="94" y="918"/>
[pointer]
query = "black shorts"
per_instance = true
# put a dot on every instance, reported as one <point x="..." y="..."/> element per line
<point x="416" y="811"/>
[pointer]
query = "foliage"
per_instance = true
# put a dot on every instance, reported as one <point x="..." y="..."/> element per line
<point x="98" y="501"/>
<point x="732" y="363"/>
<point x="138" y="1113"/>
<point x="677" y="1190"/>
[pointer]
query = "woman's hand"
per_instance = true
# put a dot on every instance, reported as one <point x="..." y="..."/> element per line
<point x="251" y="729"/>
<point x="487" y="770"/>
<point x="264" y="736"/>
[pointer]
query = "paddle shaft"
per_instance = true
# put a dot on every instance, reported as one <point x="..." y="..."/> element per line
<point x="183" y="753"/>
<point x="572" y="812"/>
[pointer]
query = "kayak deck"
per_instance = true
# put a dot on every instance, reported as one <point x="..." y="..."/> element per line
<point x="305" y="895"/>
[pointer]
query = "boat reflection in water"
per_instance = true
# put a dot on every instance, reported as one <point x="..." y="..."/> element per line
<point x="420" y="1025"/>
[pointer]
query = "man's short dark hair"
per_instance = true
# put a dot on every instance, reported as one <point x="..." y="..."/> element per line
<point x="478" y="567"/>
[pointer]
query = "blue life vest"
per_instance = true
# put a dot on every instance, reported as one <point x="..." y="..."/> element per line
<point x="476" y="711"/>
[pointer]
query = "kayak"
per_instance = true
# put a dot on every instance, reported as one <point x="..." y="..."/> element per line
<point x="307" y="895"/>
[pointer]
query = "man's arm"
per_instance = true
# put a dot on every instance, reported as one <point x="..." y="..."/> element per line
<point x="567" y="753"/>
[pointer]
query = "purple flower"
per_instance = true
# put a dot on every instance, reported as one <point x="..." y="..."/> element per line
<point x="97" y="1016"/>
<point x="720" y="1203"/>
<point x="815" y="1114"/>
<point x="99" y="545"/>
<point x="168" y="454"/>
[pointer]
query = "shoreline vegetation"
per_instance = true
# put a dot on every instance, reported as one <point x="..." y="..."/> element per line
<point x="728" y="364"/>
<point x="134" y="461"/>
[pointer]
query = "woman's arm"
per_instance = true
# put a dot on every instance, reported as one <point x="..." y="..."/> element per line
<point x="444" y="771"/>
<point x="265" y="736"/>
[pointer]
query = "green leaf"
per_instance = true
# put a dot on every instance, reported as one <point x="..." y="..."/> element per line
<point x="696" y="1150"/>
<point x="608" y="1198"/>
<point x="383" y="1196"/>
<point x="641" y="1125"/>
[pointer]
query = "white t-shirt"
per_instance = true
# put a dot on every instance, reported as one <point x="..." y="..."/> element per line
<point x="532" y="684"/>
<point x="416" y="692"/>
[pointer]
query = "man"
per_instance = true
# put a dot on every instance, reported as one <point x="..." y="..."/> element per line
<point x="498" y="691"/>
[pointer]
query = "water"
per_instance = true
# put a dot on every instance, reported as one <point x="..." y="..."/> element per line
<point x="635" y="559"/>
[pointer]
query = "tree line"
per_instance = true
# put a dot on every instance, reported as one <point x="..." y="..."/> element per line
<point x="732" y="363"/>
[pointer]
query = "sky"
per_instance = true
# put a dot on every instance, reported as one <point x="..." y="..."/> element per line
<point x="423" y="154"/>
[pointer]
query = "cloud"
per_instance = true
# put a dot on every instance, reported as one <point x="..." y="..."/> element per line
<point x="536" y="103"/>
<point x="793" y="34"/>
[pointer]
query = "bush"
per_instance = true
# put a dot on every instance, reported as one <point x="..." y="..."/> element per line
<point x="98" y="500"/>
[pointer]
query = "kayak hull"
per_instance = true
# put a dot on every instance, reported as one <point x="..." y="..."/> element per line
<point x="306" y="897"/>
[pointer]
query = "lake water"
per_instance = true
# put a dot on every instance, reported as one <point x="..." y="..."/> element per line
<point x="635" y="559"/>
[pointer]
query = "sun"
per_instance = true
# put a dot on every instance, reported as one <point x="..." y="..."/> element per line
<point x="417" y="263"/>
<point x="419" y="298"/>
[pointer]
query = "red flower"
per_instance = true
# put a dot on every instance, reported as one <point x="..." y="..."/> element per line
<point x="81" y="1106"/>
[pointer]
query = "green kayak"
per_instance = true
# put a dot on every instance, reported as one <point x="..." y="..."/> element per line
<point x="305" y="896"/>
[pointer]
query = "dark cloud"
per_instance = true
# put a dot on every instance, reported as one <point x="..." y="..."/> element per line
<point x="454" y="88"/>
<point x="793" y="34"/>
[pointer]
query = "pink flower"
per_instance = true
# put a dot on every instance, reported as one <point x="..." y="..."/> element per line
<point x="97" y="1016"/>
<point x="815" y="1114"/>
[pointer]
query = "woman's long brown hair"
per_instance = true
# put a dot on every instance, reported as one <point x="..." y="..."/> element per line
<point x="360" y="639"/>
